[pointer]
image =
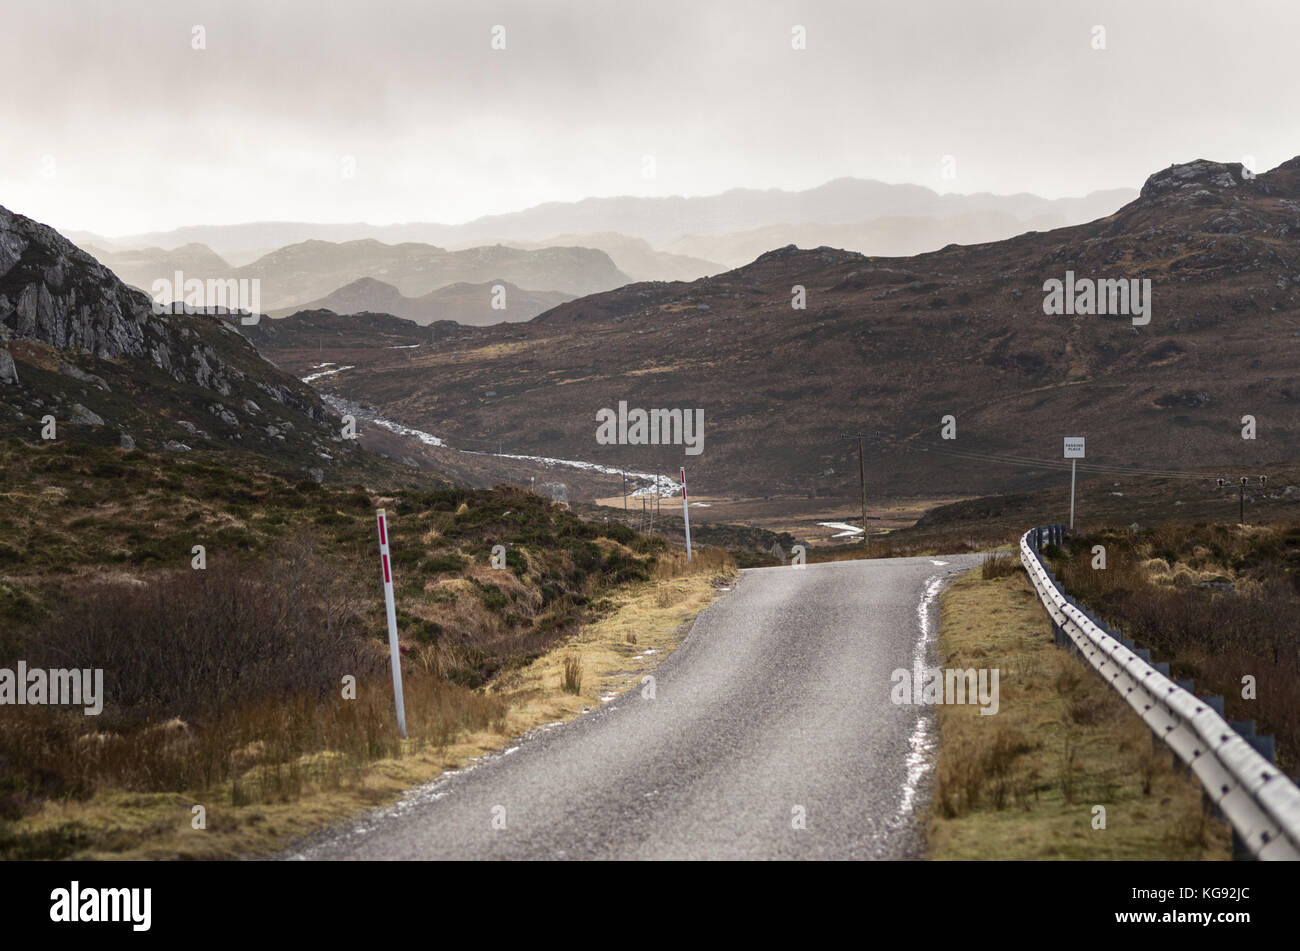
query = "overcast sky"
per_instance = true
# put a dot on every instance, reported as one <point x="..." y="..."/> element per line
<point x="111" y="121"/>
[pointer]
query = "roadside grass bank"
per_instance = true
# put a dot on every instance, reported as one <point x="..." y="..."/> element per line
<point x="1025" y="783"/>
<point x="237" y="622"/>
<point x="279" y="792"/>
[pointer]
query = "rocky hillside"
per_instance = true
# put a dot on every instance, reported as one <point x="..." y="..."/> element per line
<point x="82" y="347"/>
<point x="895" y="344"/>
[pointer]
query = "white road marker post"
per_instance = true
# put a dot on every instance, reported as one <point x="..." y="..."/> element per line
<point x="395" y="653"/>
<point x="686" y="515"/>
<point x="1073" y="452"/>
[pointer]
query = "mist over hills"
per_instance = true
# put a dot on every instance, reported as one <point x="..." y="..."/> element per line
<point x="295" y="276"/>
<point x="475" y="305"/>
<point x="885" y="237"/>
<point x="633" y="256"/>
<point x="574" y="248"/>
<point x="655" y="220"/>
<point x="896" y="344"/>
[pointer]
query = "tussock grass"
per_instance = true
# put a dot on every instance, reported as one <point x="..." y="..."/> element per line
<point x="1000" y="564"/>
<point x="572" y="680"/>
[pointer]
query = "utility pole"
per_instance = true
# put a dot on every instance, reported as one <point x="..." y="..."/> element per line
<point x="1241" y="494"/>
<point x="862" y="473"/>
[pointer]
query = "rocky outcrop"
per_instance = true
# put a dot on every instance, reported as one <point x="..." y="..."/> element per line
<point x="8" y="372"/>
<point x="54" y="293"/>
<point x="1194" y="175"/>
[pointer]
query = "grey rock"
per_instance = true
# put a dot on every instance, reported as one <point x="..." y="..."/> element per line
<point x="82" y="415"/>
<point x="172" y="445"/>
<point x="8" y="371"/>
<point x="223" y="414"/>
<point x="68" y="369"/>
<point x="127" y="442"/>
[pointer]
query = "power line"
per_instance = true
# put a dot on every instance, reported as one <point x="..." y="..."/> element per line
<point x="1007" y="459"/>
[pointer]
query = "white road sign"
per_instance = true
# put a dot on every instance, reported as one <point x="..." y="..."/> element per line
<point x="1074" y="447"/>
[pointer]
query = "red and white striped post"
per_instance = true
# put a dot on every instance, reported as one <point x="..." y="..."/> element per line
<point x="394" y="652"/>
<point x="686" y="515"/>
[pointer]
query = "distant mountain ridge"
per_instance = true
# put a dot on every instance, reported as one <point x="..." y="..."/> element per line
<point x="656" y="220"/>
<point x="294" y="276"/>
<point x="474" y="305"/>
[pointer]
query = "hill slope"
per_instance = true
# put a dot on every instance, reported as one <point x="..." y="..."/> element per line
<point x="896" y="344"/>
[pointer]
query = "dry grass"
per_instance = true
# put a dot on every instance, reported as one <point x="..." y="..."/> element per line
<point x="1217" y="601"/>
<point x="704" y="561"/>
<point x="1022" y="784"/>
<point x="1000" y="564"/>
<point x="571" y="682"/>
<point x="294" y="768"/>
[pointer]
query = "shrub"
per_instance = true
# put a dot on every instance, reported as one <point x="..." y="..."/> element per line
<point x="192" y="643"/>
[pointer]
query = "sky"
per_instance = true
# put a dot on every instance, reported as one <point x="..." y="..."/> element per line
<point x="114" y="121"/>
